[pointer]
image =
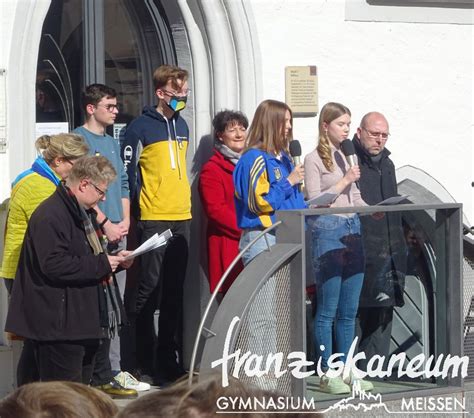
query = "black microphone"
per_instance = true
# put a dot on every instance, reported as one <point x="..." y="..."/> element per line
<point x="347" y="148"/>
<point x="295" y="152"/>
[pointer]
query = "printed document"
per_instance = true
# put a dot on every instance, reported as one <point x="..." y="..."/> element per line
<point x="150" y="244"/>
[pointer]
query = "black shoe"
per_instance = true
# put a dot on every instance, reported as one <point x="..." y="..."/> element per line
<point x="116" y="391"/>
<point x="166" y="376"/>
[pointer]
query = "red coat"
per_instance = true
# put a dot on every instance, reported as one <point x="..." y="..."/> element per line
<point x="216" y="188"/>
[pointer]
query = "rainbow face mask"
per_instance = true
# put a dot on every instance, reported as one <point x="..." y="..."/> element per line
<point x="177" y="103"/>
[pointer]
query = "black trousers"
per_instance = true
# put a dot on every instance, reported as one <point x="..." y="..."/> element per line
<point x="66" y="360"/>
<point x="374" y="329"/>
<point x="27" y="369"/>
<point x="160" y="287"/>
<point x="102" y="371"/>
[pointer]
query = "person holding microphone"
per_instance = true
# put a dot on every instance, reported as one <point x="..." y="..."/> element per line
<point x="265" y="181"/>
<point x="337" y="253"/>
<point x="265" y="177"/>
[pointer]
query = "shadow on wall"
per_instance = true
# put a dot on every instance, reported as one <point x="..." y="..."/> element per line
<point x="196" y="286"/>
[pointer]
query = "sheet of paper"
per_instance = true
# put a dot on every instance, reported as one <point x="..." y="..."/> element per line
<point x="324" y="199"/>
<point x="154" y="242"/>
<point x="395" y="200"/>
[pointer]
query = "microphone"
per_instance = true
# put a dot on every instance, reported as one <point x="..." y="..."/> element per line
<point x="347" y="148"/>
<point x="295" y="152"/>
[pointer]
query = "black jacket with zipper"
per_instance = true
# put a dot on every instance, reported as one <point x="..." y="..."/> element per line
<point x="56" y="289"/>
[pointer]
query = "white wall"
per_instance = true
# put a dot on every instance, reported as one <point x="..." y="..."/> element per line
<point x="21" y="22"/>
<point x="418" y="74"/>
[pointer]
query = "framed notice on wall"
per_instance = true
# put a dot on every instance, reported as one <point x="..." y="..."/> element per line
<point x="301" y="90"/>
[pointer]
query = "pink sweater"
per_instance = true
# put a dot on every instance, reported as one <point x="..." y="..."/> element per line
<point x="320" y="180"/>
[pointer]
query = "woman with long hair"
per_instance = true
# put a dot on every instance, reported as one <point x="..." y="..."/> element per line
<point x="265" y="178"/>
<point x="337" y="251"/>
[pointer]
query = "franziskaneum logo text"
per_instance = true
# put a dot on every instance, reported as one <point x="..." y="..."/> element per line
<point x="253" y="365"/>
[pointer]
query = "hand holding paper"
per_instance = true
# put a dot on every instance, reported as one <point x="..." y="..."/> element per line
<point x="154" y="242"/>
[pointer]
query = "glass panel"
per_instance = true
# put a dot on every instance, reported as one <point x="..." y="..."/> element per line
<point x="123" y="64"/>
<point x="403" y="315"/>
<point x="60" y="61"/>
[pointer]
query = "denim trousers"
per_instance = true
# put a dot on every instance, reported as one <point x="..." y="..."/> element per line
<point x="262" y="319"/>
<point x="338" y="266"/>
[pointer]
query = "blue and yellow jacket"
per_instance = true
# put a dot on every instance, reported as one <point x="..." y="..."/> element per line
<point x="154" y="153"/>
<point x="261" y="188"/>
<point x="29" y="189"/>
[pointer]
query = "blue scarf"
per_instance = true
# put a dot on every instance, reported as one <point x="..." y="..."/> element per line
<point x="43" y="169"/>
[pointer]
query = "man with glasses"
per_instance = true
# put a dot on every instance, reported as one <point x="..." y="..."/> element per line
<point x="62" y="301"/>
<point x="384" y="241"/>
<point x="154" y="152"/>
<point x="99" y="103"/>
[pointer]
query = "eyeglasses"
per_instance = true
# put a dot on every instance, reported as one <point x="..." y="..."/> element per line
<point x="67" y="160"/>
<point x="372" y="134"/>
<point x="110" y="107"/>
<point x="99" y="191"/>
<point x="177" y="93"/>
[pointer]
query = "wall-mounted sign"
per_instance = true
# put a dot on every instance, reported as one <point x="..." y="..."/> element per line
<point x="301" y="90"/>
<point x="51" y="128"/>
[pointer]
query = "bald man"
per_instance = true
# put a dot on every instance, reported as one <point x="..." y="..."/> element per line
<point x="384" y="241"/>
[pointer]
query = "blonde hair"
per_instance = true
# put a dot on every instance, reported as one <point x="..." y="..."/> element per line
<point x="58" y="400"/>
<point x="69" y="146"/>
<point x="96" y="168"/>
<point x="329" y="112"/>
<point x="267" y="129"/>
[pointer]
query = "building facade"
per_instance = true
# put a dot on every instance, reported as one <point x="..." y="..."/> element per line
<point x="409" y="59"/>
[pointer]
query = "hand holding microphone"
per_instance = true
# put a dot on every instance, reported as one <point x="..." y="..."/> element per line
<point x="297" y="175"/>
<point x="353" y="174"/>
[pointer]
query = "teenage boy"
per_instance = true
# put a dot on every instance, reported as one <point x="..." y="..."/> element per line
<point x="154" y="153"/>
<point x="99" y="103"/>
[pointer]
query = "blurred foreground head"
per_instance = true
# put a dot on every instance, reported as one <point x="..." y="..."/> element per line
<point x="57" y="400"/>
<point x="203" y="400"/>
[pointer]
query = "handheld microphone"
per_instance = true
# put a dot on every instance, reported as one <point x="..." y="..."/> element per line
<point x="295" y="152"/>
<point x="347" y="148"/>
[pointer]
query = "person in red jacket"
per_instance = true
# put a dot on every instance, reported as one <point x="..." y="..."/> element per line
<point x="216" y="188"/>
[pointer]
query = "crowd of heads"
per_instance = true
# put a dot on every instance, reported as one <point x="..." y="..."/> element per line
<point x="199" y="400"/>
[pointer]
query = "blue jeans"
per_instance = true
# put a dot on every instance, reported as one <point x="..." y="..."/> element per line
<point x="338" y="265"/>
<point x="262" y="332"/>
<point x="261" y="245"/>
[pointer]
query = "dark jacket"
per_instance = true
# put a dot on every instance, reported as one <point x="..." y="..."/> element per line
<point x="384" y="242"/>
<point x="56" y="291"/>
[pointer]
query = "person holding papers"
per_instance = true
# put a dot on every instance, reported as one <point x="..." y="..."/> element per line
<point x="62" y="301"/>
<point x="338" y="255"/>
<point x="384" y="242"/>
<point x="57" y="155"/>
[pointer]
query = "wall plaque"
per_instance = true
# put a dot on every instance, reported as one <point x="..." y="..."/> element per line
<point x="301" y="90"/>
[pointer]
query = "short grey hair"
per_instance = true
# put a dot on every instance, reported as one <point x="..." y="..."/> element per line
<point x="97" y="169"/>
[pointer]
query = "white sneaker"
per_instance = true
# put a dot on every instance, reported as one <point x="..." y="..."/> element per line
<point x="360" y="384"/>
<point x="334" y="385"/>
<point x="129" y="382"/>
